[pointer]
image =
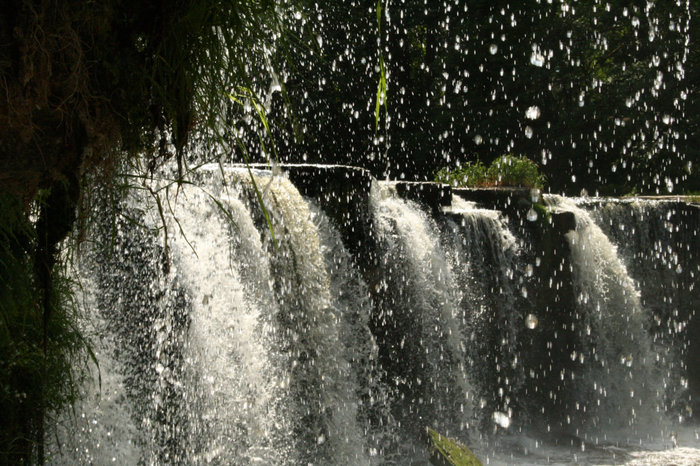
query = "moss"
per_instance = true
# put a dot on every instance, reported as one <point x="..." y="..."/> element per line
<point x="449" y="451"/>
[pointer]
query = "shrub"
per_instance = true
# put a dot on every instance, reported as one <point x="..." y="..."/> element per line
<point x="506" y="170"/>
<point x="471" y="174"/>
<point x="509" y="170"/>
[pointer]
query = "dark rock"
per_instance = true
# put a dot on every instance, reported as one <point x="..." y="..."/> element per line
<point x="505" y="199"/>
<point x="432" y="195"/>
<point x="563" y="222"/>
<point x="343" y="192"/>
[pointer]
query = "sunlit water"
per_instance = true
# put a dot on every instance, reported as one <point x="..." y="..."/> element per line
<point x="237" y="348"/>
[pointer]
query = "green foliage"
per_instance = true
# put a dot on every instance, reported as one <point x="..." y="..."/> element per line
<point x="507" y="170"/>
<point x="381" y="85"/>
<point x="120" y="83"/>
<point x="451" y="452"/>
<point x="596" y="90"/>
<point x="90" y="91"/>
<point x="38" y="379"/>
<point x="469" y="174"/>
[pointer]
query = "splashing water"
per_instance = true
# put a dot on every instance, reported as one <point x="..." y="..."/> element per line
<point x="235" y="347"/>
<point x="616" y="381"/>
<point x="419" y="319"/>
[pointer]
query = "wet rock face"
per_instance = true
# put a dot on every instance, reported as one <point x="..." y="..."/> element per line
<point x="563" y="222"/>
<point x="504" y="199"/>
<point x="432" y="195"/>
<point x="343" y="193"/>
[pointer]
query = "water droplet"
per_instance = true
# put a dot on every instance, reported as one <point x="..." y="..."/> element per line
<point x="531" y="215"/>
<point x="528" y="131"/>
<point x="537" y="59"/>
<point x="626" y="360"/>
<point x="493" y="49"/>
<point x="531" y="321"/>
<point x="501" y="419"/>
<point x="529" y="270"/>
<point x="532" y="112"/>
<point x="535" y="195"/>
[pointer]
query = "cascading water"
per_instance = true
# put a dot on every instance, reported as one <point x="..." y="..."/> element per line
<point x="353" y="310"/>
<point x="226" y="272"/>
<point x="323" y="382"/>
<point x="102" y="431"/>
<point x="613" y="358"/>
<point x="235" y="347"/>
<point x="484" y="257"/>
<point x="418" y="319"/>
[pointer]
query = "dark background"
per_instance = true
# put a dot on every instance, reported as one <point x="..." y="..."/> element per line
<point x="616" y="92"/>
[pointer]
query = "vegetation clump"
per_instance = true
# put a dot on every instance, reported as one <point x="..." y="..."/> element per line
<point x="469" y="174"/>
<point x="43" y="354"/>
<point x="91" y="91"/>
<point x="506" y="170"/>
<point x="448" y="452"/>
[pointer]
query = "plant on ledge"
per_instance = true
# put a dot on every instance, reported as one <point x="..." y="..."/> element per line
<point x="506" y="170"/>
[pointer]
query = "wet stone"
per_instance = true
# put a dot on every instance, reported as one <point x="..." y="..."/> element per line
<point x="432" y="195"/>
<point x="563" y="222"/>
<point x="505" y="199"/>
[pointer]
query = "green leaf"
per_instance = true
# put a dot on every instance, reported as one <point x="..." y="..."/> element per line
<point x="248" y="94"/>
<point x="262" y="205"/>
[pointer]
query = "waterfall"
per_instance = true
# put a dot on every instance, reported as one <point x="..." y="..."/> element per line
<point x="235" y="347"/>
<point x="239" y="385"/>
<point x="101" y="430"/>
<point x="418" y="319"/>
<point x="656" y="242"/>
<point x="613" y="360"/>
<point x="485" y="258"/>
<point x="235" y="331"/>
<point x="323" y="382"/>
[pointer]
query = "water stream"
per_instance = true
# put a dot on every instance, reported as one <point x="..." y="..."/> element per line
<point x="257" y="343"/>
